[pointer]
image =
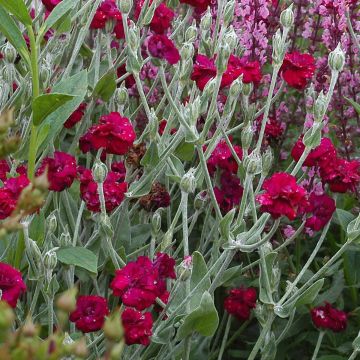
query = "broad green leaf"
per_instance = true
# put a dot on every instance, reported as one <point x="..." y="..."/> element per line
<point x="106" y="86"/>
<point x="18" y="9"/>
<point x="57" y="16"/>
<point x="46" y="104"/>
<point x="332" y="294"/>
<point x="9" y="28"/>
<point x="309" y="295"/>
<point x="151" y="157"/>
<point x="139" y="236"/>
<point x="204" y="319"/>
<point x="185" y="151"/>
<point x="199" y="271"/>
<point x="344" y="218"/>
<point x="355" y="105"/>
<point x="78" y="256"/>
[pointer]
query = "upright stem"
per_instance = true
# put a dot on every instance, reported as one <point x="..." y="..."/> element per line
<point x="318" y="344"/>
<point x="225" y="337"/>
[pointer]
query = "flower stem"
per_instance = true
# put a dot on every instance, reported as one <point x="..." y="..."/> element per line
<point x="318" y="344"/>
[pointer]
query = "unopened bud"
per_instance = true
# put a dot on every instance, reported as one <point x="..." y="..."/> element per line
<point x="231" y="38"/>
<point x="50" y="260"/>
<point x="44" y="75"/>
<point x="122" y="96"/>
<point x="99" y="172"/>
<point x="134" y="38"/>
<point x="187" y="51"/>
<point x="188" y="182"/>
<point x="336" y="59"/>
<point x="125" y="6"/>
<point x="229" y="12"/>
<point x="113" y="329"/>
<point x="278" y="48"/>
<point x="320" y="107"/>
<point x="67" y="300"/>
<point x="51" y="223"/>
<point x="117" y="350"/>
<point x="236" y="87"/>
<point x="29" y="329"/>
<point x="80" y="348"/>
<point x="223" y="58"/>
<point x="247" y="89"/>
<point x="185" y="268"/>
<point x="191" y="33"/>
<point x="246" y="137"/>
<point x="35" y="252"/>
<point x="253" y="163"/>
<point x="267" y="161"/>
<point x="206" y="21"/>
<point x="287" y="17"/>
<point x="65" y="239"/>
<point x="9" y="53"/>
<point x="156" y="221"/>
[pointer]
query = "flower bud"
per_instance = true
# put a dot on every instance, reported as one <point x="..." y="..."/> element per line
<point x="253" y="163"/>
<point x="231" y="38"/>
<point x="209" y="88"/>
<point x="206" y="21"/>
<point x="278" y="48"/>
<point x="229" y="12"/>
<point x="99" y="172"/>
<point x="29" y="329"/>
<point x="67" y="300"/>
<point x="191" y="33"/>
<point x="156" y="222"/>
<point x="336" y="59"/>
<point x="65" y="239"/>
<point x="51" y="223"/>
<point x="185" y="268"/>
<point x="246" y="137"/>
<point x="320" y="107"/>
<point x="9" y="53"/>
<point x="35" y="252"/>
<point x="201" y="200"/>
<point x="236" y="87"/>
<point x="50" y="260"/>
<point x="187" y="51"/>
<point x="121" y="96"/>
<point x="44" y="75"/>
<point x="125" y="6"/>
<point x="117" y="350"/>
<point x="134" y="38"/>
<point x="80" y="348"/>
<point x="267" y="161"/>
<point x="188" y="182"/>
<point x="223" y="58"/>
<point x="287" y="17"/>
<point x="113" y="329"/>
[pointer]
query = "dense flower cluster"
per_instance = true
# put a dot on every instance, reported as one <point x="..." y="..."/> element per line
<point x="240" y="302"/>
<point x="327" y="317"/>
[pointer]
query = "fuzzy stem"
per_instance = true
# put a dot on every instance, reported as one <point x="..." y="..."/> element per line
<point x="318" y="344"/>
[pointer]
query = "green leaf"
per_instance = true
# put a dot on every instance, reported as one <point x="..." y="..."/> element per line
<point x="18" y="9"/>
<point x="199" y="271"/>
<point x="230" y="274"/>
<point x="106" y="86"/>
<point x="151" y="157"/>
<point x="11" y="31"/>
<point x="46" y="104"/>
<point x="355" y="105"/>
<point x="204" y="319"/>
<point x="139" y="236"/>
<point x="309" y="295"/>
<point x="185" y="151"/>
<point x="225" y="224"/>
<point x="78" y="256"/>
<point x="332" y="294"/>
<point x="343" y="218"/>
<point x="57" y="16"/>
<point x="122" y="226"/>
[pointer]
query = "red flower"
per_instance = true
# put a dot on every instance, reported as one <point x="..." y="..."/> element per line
<point x="200" y="5"/>
<point x="106" y="11"/>
<point x="222" y="158"/>
<point x="119" y="30"/>
<point x="90" y="313"/>
<point x="273" y="129"/>
<point x="327" y="317"/>
<point x="297" y="69"/>
<point x="205" y="70"/>
<point x="140" y="282"/>
<point x="230" y="193"/>
<point x="4" y="169"/>
<point x="76" y="116"/>
<point x="114" y="133"/>
<point x="119" y="168"/>
<point x="50" y="4"/>
<point x="11" y="284"/>
<point x="165" y="266"/>
<point x="318" y="156"/>
<point x="283" y="196"/>
<point x="322" y="208"/>
<point x="162" y="126"/>
<point x="340" y="174"/>
<point x="161" y="47"/>
<point x="136" y="283"/>
<point x="240" y="302"/>
<point x="9" y="194"/>
<point x="61" y="170"/>
<point x="137" y="326"/>
<point x="114" y="190"/>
